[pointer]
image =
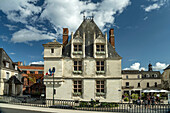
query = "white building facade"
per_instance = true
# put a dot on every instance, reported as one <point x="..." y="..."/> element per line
<point x="86" y="67"/>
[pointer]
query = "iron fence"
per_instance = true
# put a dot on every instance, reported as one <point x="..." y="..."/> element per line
<point x="87" y="105"/>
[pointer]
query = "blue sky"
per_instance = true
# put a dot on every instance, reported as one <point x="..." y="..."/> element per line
<point x="142" y="27"/>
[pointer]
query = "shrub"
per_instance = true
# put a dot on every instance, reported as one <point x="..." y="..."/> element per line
<point x="135" y="96"/>
<point x="83" y="104"/>
<point x="126" y="95"/>
<point x="126" y="99"/>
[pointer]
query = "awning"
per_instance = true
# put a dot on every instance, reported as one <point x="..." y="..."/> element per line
<point x="156" y="91"/>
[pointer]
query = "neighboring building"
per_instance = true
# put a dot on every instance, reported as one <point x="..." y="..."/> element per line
<point x="134" y="81"/>
<point x="32" y="75"/>
<point x="86" y="67"/>
<point x="166" y="78"/>
<point x="8" y="73"/>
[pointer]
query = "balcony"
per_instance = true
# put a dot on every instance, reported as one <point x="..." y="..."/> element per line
<point x="127" y="87"/>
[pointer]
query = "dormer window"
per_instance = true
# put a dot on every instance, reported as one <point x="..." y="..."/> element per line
<point x="7" y="65"/>
<point x="52" y="50"/>
<point x="100" y="49"/>
<point x="77" y="49"/>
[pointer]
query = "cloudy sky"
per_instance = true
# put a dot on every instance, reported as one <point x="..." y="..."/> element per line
<point x="142" y="27"/>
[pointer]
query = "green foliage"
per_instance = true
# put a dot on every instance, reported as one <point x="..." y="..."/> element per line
<point x="84" y="104"/>
<point x="155" y="95"/>
<point x="105" y="104"/>
<point x="126" y="95"/>
<point x="126" y="99"/>
<point x="135" y="96"/>
<point x="143" y="95"/>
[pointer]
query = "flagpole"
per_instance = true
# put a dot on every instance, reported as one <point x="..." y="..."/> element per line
<point x="53" y="88"/>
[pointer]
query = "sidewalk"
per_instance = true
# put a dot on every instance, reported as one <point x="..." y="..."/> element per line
<point x="47" y="110"/>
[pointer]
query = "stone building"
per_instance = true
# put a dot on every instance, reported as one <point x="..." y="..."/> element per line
<point x="166" y="78"/>
<point x="134" y="81"/>
<point x="9" y="83"/>
<point x="87" y="66"/>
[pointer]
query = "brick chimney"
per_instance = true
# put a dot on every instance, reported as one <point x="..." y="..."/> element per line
<point x="65" y="36"/>
<point x="112" y="38"/>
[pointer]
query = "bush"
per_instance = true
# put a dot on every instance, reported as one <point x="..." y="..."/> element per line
<point x="135" y="96"/>
<point x="83" y="104"/>
<point x="126" y="95"/>
<point x="126" y="99"/>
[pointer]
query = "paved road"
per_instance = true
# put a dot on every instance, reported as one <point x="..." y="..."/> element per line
<point x="9" y="110"/>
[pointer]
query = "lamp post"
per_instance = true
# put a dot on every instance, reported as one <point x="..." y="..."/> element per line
<point x="52" y="72"/>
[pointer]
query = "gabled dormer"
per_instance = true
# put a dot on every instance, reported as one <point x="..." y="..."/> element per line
<point x="77" y="46"/>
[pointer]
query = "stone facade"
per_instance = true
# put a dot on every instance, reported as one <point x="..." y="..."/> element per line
<point x="7" y="69"/>
<point x="85" y="67"/>
<point x="166" y="78"/>
<point x="136" y="81"/>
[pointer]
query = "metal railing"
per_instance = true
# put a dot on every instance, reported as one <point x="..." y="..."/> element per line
<point x="87" y="105"/>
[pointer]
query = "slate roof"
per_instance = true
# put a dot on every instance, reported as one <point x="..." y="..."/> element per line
<point x="130" y="72"/>
<point x="5" y="58"/>
<point x="89" y="27"/>
<point x="167" y="67"/>
<point x="14" y="80"/>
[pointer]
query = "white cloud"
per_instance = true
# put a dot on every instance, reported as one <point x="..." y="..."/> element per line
<point x="4" y="38"/>
<point x="61" y="13"/>
<point x="135" y="66"/>
<point x="30" y="34"/>
<point x="160" y="66"/>
<point x="12" y="53"/>
<point x="145" y="18"/>
<point x="11" y="27"/>
<point x="38" y="62"/>
<point x="157" y="4"/>
<point x="19" y="10"/>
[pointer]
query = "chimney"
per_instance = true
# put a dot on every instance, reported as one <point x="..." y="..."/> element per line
<point x="65" y="36"/>
<point x="150" y="67"/>
<point x="112" y="38"/>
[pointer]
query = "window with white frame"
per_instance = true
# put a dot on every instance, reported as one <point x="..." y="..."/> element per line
<point x="7" y="75"/>
<point x="7" y="65"/>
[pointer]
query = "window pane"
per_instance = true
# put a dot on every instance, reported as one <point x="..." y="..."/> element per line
<point x="98" y="63"/>
<point x="75" y="82"/>
<point x="79" y="86"/>
<point x="75" y="68"/>
<point x="98" y="68"/>
<point x="79" y="68"/>
<point x="98" y="86"/>
<point x="102" y="82"/>
<point x="98" y="82"/>
<point x="102" y="90"/>
<point x="80" y="62"/>
<point x="102" y="63"/>
<point x="79" y="82"/>
<point x="75" y="86"/>
<point x="97" y="90"/>
<point x="102" y="86"/>
<point x="75" y="90"/>
<point x="75" y="63"/>
<point x="79" y="90"/>
<point x="102" y="68"/>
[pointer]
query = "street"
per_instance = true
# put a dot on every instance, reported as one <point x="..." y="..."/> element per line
<point x="9" y="110"/>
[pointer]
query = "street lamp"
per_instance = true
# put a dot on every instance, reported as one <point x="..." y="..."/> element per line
<point x="52" y="72"/>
